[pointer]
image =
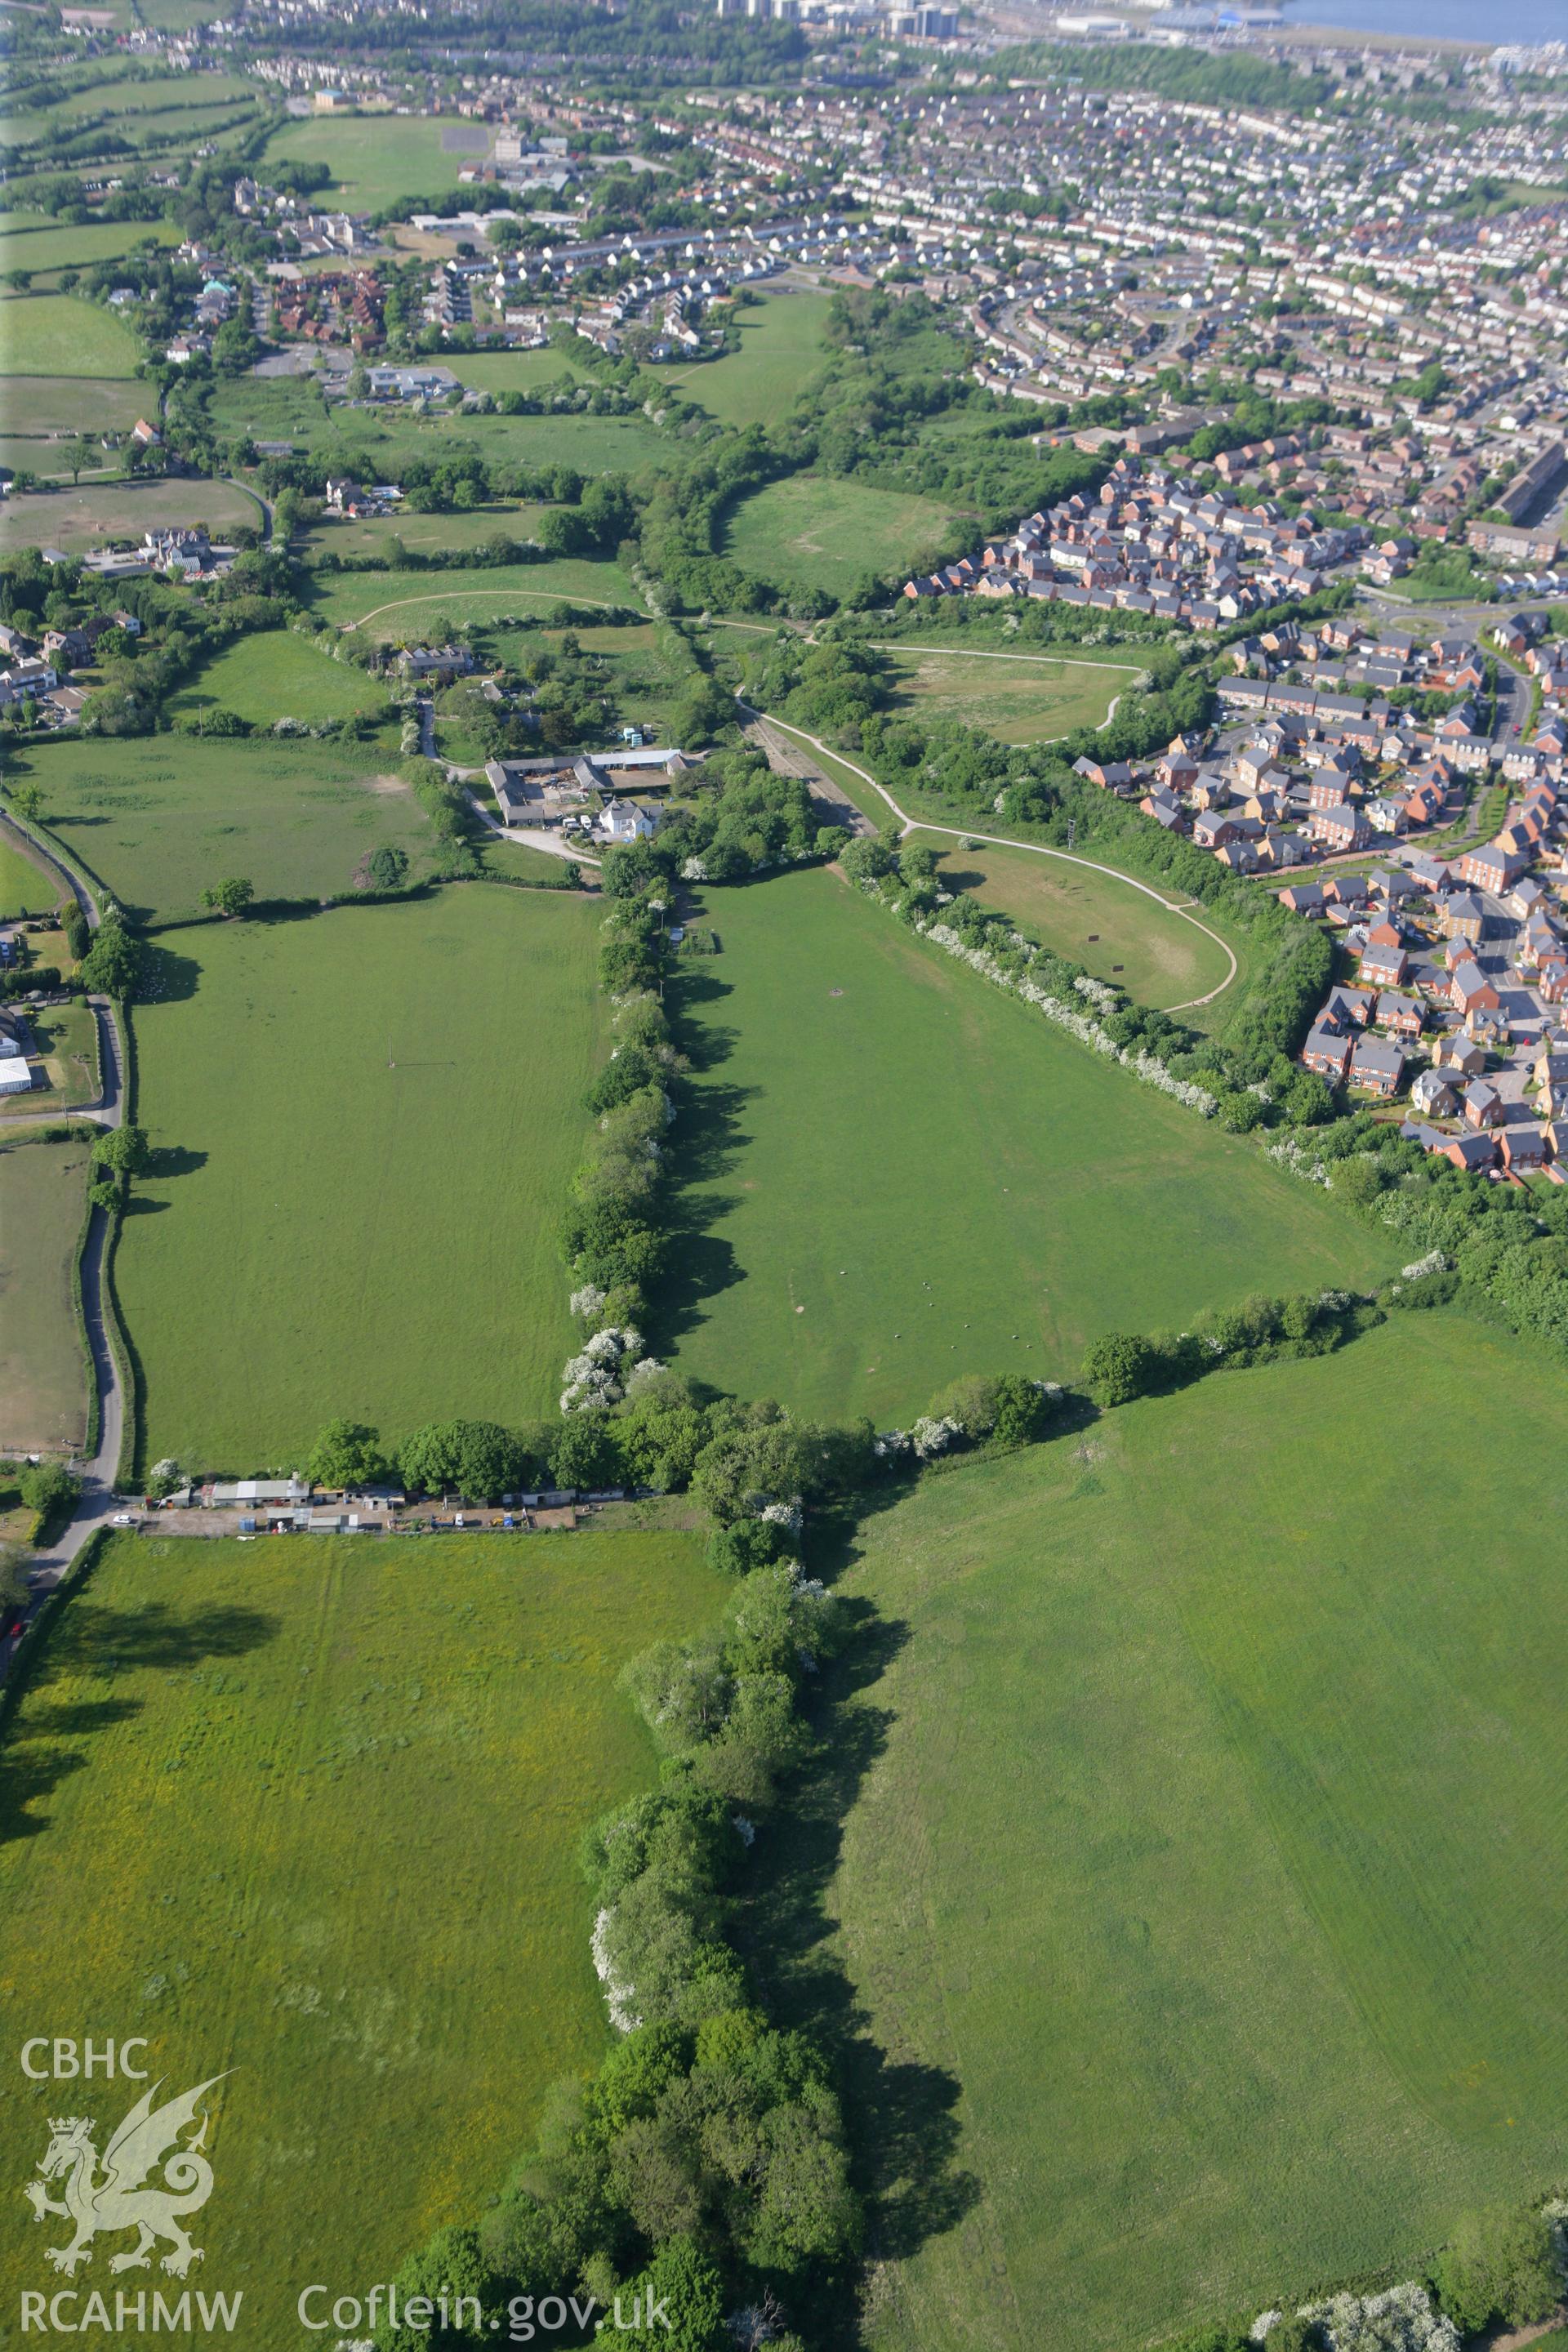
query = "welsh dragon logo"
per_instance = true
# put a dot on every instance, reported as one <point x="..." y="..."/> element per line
<point x="115" y="2199"/>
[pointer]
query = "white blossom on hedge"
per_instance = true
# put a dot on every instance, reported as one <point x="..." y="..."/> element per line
<point x="931" y="1436"/>
<point x="790" y="1516"/>
<point x="1262" y="2324"/>
<point x="596" y="1377"/>
<point x="693" y="870"/>
<point x="589" y="1301"/>
<point x="1435" y="1262"/>
<point x="1145" y="1066"/>
<point x="1401" y="2320"/>
<point x="890" y="1443"/>
<point x="1287" y="1154"/>
<point x="1097" y="993"/>
<point x="619" y="1997"/>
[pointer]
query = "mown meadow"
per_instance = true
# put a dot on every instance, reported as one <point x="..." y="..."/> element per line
<point x="366" y="1120"/>
<point x="822" y="530"/>
<point x="898" y="1175"/>
<point x="305" y="1813"/>
<point x="1095" y="918"/>
<point x="1201" y="1888"/>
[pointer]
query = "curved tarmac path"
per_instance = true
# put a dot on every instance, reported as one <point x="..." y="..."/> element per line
<point x="1005" y="841"/>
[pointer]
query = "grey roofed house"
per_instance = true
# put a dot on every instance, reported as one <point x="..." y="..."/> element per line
<point x="1373" y="1062"/>
<point x="1347" y="1007"/>
<point x="1435" y="1093"/>
<point x="1432" y="873"/>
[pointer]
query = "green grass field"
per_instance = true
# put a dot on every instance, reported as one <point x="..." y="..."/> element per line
<point x="276" y="674"/>
<point x="113" y="508"/>
<point x="25" y="888"/>
<point x="816" y="530"/>
<point x="383" y="1106"/>
<point x="43" y="1377"/>
<point x="377" y="158"/>
<point x="33" y="241"/>
<point x="1097" y="920"/>
<point x="1017" y="697"/>
<point x="377" y="442"/>
<point x="35" y="407"/>
<point x="516" y="370"/>
<point x="871" y="1118"/>
<point x="157" y="819"/>
<point x="308" y="1810"/>
<point x="1210" y="1848"/>
<point x="60" y="334"/>
<point x="781" y="350"/>
<point x="424" y="534"/>
<point x="390" y="605"/>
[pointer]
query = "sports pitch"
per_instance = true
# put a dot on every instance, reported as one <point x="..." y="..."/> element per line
<point x="903" y="1175"/>
<point x="1206" y="1874"/>
<point x="304" y="1813"/>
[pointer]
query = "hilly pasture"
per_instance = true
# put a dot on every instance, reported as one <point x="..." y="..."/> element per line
<point x="899" y="1174"/>
<point x="308" y="1810"/>
<point x="1201" y="1892"/>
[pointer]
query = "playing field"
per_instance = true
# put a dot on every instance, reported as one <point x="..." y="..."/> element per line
<point x="1207" y="1866"/>
<point x="391" y="606"/>
<point x="43" y="1378"/>
<point x="60" y="334"/>
<point x="39" y="407"/>
<point x="377" y="158"/>
<point x="113" y="508"/>
<point x="25" y="888"/>
<point x="374" y="1114"/>
<point x="816" y="530"/>
<point x="280" y="674"/>
<point x="305" y="1813"/>
<point x="1095" y="919"/>
<point x="1013" y="695"/>
<point x="515" y="371"/>
<point x="159" y="819"/>
<point x="781" y="350"/>
<point x="907" y="1175"/>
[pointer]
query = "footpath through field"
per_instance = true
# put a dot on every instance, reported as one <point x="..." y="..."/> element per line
<point x="1006" y="841"/>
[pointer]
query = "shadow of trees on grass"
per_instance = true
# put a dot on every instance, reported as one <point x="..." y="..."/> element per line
<point x="709" y="1141"/>
<point x="902" y="2112"/>
<point x="50" y="1730"/>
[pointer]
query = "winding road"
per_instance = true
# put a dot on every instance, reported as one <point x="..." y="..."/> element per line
<point x="97" y="1501"/>
<point x="1005" y="841"/>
